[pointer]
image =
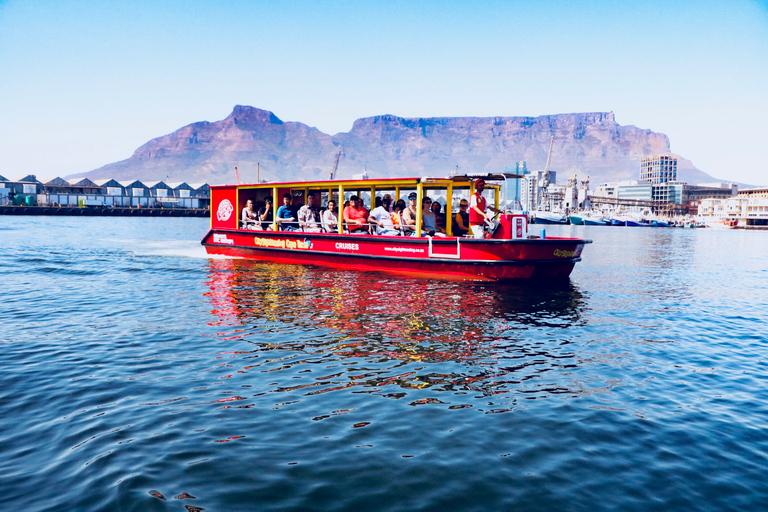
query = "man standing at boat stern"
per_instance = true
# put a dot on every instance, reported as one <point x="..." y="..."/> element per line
<point x="477" y="209"/>
<point x="309" y="217"/>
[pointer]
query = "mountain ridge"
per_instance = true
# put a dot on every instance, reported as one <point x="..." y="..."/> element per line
<point x="588" y="144"/>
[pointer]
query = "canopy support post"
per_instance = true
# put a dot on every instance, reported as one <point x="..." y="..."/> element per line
<point x="419" y="197"/>
<point x="340" y="206"/>
<point x="274" y="208"/>
<point x="449" y="210"/>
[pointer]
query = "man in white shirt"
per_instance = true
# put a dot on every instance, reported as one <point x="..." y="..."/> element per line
<point x="309" y="217"/>
<point x="382" y="219"/>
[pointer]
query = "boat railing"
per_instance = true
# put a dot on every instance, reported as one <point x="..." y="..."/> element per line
<point x="407" y="230"/>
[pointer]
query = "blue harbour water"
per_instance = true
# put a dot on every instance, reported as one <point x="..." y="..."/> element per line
<point x="137" y="374"/>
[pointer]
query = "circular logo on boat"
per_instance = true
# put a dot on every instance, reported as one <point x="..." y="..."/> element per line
<point x="225" y="210"/>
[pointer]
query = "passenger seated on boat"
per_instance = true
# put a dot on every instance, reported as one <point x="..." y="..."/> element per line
<point x="285" y="219"/>
<point x="409" y="214"/>
<point x="428" y="226"/>
<point x="330" y="220"/>
<point x="265" y="214"/>
<point x="382" y="219"/>
<point x="387" y="196"/>
<point x="309" y="217"/>
<point x="397" y="217"/>
<point x="461" y="219"/>
<point x="439" y="217"/>
<point x="355" y="216"/>
<point x="249" y="219"/>
<point x="377" y="203"/>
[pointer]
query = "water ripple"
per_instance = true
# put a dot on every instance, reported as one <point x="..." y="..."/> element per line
<point x="140" y="375"/>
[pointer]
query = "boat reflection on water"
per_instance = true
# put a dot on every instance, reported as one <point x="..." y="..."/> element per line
<point x="380" y="330"/>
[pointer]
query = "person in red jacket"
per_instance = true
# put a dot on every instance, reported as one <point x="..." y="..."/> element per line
<point x="477" y="209"/>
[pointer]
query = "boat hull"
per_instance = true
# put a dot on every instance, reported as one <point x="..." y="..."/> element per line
<point x="483" y="260"/>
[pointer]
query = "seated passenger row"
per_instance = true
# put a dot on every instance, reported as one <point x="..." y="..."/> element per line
<point x="382" y="220"/>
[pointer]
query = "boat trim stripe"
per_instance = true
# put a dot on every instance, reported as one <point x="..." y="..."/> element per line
<point x="411" y="240"/>
<point x="417" y="260"/>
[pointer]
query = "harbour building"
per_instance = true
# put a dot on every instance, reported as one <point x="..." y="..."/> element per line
<point x="517" y="192"/>
<point x="659" y="190"/>
<point x="84" y="193"/>
<point x="658" y="169"/>
<point x="668" y="192"/>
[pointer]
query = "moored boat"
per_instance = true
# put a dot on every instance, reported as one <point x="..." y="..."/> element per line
<point x="595" y="222"/>
<point x="508" y="253"/>
<point x="618" y="221"/>
<point x="542" y="217"/>
<point x="637" y="223"/>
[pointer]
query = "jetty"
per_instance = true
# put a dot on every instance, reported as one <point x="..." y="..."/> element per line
<point x="103" y="211"/>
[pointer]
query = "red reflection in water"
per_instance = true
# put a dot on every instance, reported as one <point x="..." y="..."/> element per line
<point x="379" y="317"/>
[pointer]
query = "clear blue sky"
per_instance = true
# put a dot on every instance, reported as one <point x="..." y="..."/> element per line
<point x="83" y="84"/>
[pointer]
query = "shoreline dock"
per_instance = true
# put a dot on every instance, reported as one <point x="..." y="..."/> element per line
<point x="101" y="211"/>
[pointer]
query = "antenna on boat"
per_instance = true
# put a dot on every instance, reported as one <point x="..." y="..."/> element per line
<point x="237" y="174"/>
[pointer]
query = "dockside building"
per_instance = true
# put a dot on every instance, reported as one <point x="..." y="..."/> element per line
<point x="104" y="193"/>
<point x="658" y="169"/>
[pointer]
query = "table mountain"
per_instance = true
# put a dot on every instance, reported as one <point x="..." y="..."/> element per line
<point x="588" y="144"/>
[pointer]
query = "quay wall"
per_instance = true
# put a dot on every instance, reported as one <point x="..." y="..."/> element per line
<point x="100" y="211"/>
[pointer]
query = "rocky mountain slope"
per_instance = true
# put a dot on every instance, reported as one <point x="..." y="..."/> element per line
<point x="587" y="144"/>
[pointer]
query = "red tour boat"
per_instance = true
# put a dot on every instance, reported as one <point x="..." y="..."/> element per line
<point x="507" y="252"/>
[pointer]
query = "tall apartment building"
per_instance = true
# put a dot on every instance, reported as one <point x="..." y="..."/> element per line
<point x="658" y="169"/>
<point x="516" y="188"/>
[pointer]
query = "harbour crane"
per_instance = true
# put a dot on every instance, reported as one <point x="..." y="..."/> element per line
<point x="549" y="162"/>
<point x="335" y="165"/>
<point x="545" y="177"/>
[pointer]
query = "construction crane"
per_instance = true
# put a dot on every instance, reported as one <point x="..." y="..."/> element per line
<point x="545" y="178"/>
<point x="549" y="162"/>
<point x="335" y="165"/>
